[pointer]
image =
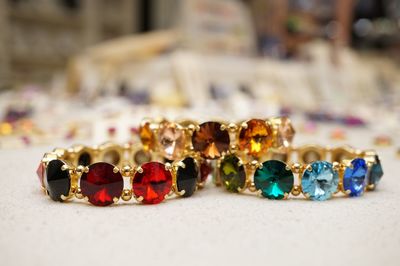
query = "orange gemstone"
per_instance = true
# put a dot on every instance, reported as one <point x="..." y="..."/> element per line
<point x="171" y="140"/>
<point x="210" y="140"/>
<point x="147" y="136"/>
<point x="256" y="138"/>
<point x="285" y="133"/>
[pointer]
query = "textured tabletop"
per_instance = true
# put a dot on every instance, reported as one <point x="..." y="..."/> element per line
<point x="212" y="227"/>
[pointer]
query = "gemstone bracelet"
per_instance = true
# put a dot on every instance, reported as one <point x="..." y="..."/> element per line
<point x="104" y="174"/>
<point x="320" y="173"/>
<point x="211" y="140"/>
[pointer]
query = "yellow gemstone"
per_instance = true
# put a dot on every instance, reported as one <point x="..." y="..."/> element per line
<point x="255" y="138"/>
<point x="147" y="136"/>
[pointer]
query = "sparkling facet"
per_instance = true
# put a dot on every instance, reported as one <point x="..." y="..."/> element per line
<point x="321" y="181"/>
<point x="40" y="173"/>
<point x="171" y="140"/>
<point x="57" y="180"/>
<point x="101" y="185"/>
<point x="375" y="173"/>
<point x="285" y="132"/>
<point x="210" y="140"/>
<point x="153" y="184"/>
<point x="274" y="179"/>
<point x="255" y="138"/>
<point x="354" y="177"/>
<point x="147" y="136"/>
<point x="232" y="174"/>
<point x="187" y="176"/>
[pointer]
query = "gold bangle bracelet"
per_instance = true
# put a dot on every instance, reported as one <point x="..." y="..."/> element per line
<point x="212" y="139"/>
<point x="316" y="172"/>
<point x="104" y="174"/>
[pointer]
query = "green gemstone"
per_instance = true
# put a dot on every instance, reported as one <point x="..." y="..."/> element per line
<point x="232" y="174"/>
<point x="274" y="179"/>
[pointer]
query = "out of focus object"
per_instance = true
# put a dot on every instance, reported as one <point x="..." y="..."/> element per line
<point x="383" y="141"/>
<point x="37" y="37"/>
<point x="221" y="27"/>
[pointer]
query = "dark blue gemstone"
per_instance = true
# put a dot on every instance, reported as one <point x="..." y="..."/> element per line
<point x="58" y="182"/>
<point x="354" y="177"/>
<point x="186" y="177"/>
<point x="375" y="173"/>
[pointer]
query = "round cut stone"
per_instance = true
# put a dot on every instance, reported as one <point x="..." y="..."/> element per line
<point x="354" y="177"/>
<point x="210" y="140"/>
<point x="153" y="184"/>
<point x="171" y="140"/>
<point x="58" y="182"/>
<point x="285" y="132"/>
<point x="321" y="181"/>
<point x="40" y="173"/>
<point x="274" y="179"/>
<point x="232" y="173"/>
<point x="375" y="173"/>
<point x="255" y="138"/>
<point x="101" y="185"/>
<point x="147" y="136"/>
<point x="187" y="176"/>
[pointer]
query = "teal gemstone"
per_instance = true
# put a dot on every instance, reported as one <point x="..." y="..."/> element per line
<point x="375" y="173"/>
<point x="274" y="179"/>
<point x="232" y="174"/>
<point x="321" y="181"/>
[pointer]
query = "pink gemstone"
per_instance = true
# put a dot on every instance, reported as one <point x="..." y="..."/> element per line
<point x="285" y="133"/>
<point x="171" y="140"/>
<point x="40" y="173"/>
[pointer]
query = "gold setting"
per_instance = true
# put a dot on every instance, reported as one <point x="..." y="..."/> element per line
<point x="125" y="165"/>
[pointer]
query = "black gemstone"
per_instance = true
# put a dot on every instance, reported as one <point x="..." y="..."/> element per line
<point x="186" y="178"/>
<point x="84" y="159"/>
<point x="57" y="181"/>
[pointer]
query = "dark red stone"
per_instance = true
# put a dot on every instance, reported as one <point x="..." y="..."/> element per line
<point x="205" y="171"/>
<point x="40" y="173"/>
<point x="101" y="185"/>
<point x="153" y="184"/>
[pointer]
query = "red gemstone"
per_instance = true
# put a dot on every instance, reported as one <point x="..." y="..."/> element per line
<point x="205" y="171"/>
<point x="40" y="173"/>
<point x="153" y="184"/>
<point x="101" y="185"/>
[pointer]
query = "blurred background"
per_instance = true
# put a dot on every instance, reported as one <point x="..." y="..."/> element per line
<point x="86" y="70"/>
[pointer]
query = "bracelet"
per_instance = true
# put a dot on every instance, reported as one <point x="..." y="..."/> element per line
<point x="104" y="174"/>
<point x="212" y="140"/>
<point x="348" y="170"/>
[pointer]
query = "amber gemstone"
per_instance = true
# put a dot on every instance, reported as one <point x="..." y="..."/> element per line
<point x="210" y="140"/>
<point x="147" y="136"/>
<point x="255" y="138"/>
<point x="285" y="132"/>
<point x="153" y="183"/>
<point x="101" y="185"/>
<point x="171" y="140"/>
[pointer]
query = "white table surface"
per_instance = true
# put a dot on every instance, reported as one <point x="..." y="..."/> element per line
<point x="212" y="227"/>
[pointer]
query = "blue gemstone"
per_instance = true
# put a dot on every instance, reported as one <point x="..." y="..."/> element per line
<point x="321" y="181"/>
<point x="375" y="173"/>
<point x="354" y="177"/>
